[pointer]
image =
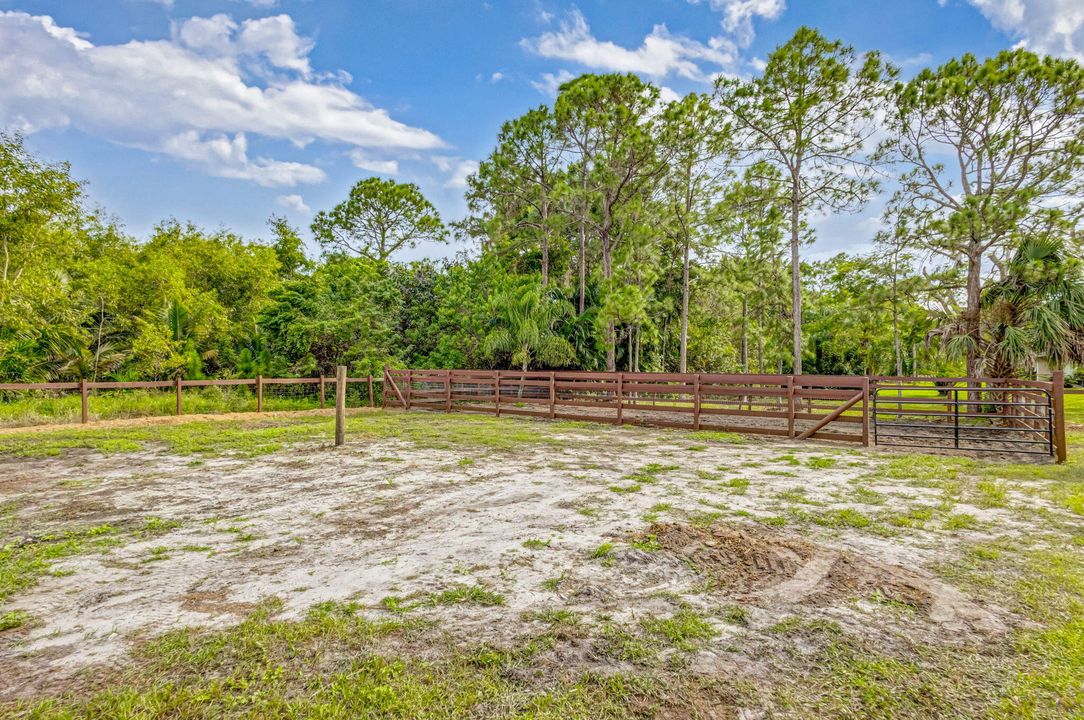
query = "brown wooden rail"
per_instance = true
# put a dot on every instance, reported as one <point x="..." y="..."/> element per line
<point x="827" y="407"/>
<point x="84" y="388"/>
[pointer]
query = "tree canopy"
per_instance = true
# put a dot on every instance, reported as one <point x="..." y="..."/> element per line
<point x="615" y="229"/>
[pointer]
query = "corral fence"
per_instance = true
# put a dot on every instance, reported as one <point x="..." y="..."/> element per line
<point x="84" y="401"/>
<point x="1008" y="416"/>
<point x="957" y="414"/>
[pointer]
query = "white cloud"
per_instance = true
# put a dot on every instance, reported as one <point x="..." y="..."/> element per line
<point x="738" y="15"/>
<point x="549" y="83"/>
<point x="223" y="156"/>
<point x="661" y="53"/>
<point x="1054" y="27"/>
<point x="363" y="161"/>
<point x="496" y="77"/>
<point x="458" y="169"/>
<point x="294" y="202"/>
<point x="668" y="95"/>
<point x="194" y="96"/>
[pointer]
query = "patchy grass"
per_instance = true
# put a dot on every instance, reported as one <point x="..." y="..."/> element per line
<point x="14" y="619"/>
<point x="684" y="630"/>
<point x="264" y="667"/>
<point x="253" y="437"/>
<point x="649" y="474"/>
<point x="23" y="562"/>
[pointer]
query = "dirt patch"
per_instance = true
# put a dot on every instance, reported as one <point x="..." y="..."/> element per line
<point x="763" y="566"/>
<point x="214" y="602"/>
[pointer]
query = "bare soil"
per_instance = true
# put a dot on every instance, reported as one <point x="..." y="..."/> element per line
<point x="373" y="520"/>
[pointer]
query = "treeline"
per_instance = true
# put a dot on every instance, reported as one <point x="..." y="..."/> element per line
<point x="611" y="230"/>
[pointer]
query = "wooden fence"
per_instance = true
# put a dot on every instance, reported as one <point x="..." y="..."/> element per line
<point x="975" y="414"/>
<point x="318" y="388"/>
<point x="1010" y="416"/>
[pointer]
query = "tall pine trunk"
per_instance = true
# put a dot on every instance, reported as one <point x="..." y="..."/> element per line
<point x="972" y="313"/>
<point x="583" y="266"/>
<point x="795" y="278"/>
<point x="744" y="335"/>
<point x="684" y="352"/>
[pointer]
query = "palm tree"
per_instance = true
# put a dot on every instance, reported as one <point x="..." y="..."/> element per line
<point x="526" y="317"/>
<point x="1036" y="310"/>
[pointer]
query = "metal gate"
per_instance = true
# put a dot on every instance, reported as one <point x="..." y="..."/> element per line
<point x="997" y="416"/>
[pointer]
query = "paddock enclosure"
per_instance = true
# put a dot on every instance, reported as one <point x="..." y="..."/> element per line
<point x="1005" y="416"/>
<point x="962" y="414"/>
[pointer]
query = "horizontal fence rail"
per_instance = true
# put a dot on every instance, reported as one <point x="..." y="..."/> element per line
<point x="1016" y="416"/>
<point x="972" y="414"/>
<point x="951" y="413"/>
<point x="83" y="401"/>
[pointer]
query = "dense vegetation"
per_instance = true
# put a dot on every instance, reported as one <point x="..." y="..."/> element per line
<point x="613" y="230"/>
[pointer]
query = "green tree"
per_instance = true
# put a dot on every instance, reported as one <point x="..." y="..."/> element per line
<point x="810" y="114"/>
<point x="526" y="317"/>
<point x="608" y="122"/>
<point x="992" y="151"/>
<point x="289" y="248"/>
<point x="1036" y="311"/>
<point x="379" y="218"/>
<point x="517" y="184"/>
<point x="696" y="141"/>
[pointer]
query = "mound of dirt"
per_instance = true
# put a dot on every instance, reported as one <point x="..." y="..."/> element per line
<point x="763" y="566"/>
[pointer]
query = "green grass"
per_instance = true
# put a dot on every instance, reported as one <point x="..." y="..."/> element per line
<point x="684" y="630"/>
<point x="13" y="619"/>
<point x="23" y="563"/>
<point x="649" y="474"/>
<point x="260" y="436"/>
<point x="1074" y="409"/>
<point x="336" y="664"/>
<point x="28" y="409"/>
<point x="842" y="518"/>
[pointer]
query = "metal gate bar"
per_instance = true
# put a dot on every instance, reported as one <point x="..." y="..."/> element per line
<point x="1019" y="426"/>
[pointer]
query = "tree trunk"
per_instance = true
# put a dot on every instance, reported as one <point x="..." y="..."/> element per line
<point x="522" y="379"/>
<point x="795" y="279"/>
<point x="545" y="259"/>
<point x="896" y="340"/>
<point x="972" y="313"/>
<point x="684" y="353"/>
<point x="607" y="273"/>
<point x="583" y="266"/>
<point x="760" y="340"/>
<point x="744" y="335"/>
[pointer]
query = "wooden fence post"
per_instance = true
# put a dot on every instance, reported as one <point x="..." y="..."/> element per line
<point x="372" y="401"/>
<point x="1057" y="402"/>
<point x="448" y="391"/>
<point x="696" y="402"/>
<point x="553" y="395"/>
<point x="620" y="398"/>
<point x="259" y="393"/>
<point x="790" y="406"/>
<point x="409" y="384"/>
<point x="384" y="388"/>
<point x="497" y="389"/>
<point x="865" y="412"/>
<point x="322" y="391"/>
<point x="177" y="389"/>
<point x="84" y="407"/>
<point x="340" y="405"/>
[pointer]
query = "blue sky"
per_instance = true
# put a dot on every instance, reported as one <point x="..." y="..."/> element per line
<point x="226" y="111"/>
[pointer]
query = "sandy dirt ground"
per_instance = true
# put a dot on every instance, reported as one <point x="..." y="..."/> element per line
<point x="370" y="521"/>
